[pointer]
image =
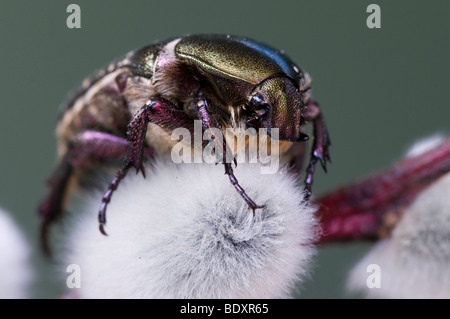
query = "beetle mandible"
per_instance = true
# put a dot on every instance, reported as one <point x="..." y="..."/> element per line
<point x="128" y="110"/>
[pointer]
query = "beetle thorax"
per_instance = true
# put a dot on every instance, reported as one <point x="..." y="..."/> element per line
<point x="173" y="79"/>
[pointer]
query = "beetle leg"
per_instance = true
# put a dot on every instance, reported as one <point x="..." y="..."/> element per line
<point x="51" y="208"/>
<point x="87" y="149"/>
<point x="160" y="112"/>
<point x="107" y="196"/>
<point x="208" y="122"/>
<point x="320" y="146"/>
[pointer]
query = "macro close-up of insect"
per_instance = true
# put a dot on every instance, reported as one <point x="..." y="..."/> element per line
<point x="224" y="81"/>
<point x="241" y="150"/>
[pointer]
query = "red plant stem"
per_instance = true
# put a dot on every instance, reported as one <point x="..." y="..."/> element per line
<point x="357" y="210"/>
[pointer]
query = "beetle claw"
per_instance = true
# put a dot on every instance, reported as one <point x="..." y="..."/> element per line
<point x="255" y="207"/>
<point x="322" y="159"/>
<point x="102" y="229"/>
<point x="307" y="194"/>
<point x="141" y="169"/>
<point x="323" y="163"/>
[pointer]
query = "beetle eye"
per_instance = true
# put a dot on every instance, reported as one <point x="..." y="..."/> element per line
<point x="257" y="100"/>
<point x="257" y="103"/>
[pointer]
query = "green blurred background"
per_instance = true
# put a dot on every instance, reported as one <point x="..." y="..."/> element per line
<point x="380" y="89"/>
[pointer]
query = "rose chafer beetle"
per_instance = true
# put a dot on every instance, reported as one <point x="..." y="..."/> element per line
<point x="128" y="110"/>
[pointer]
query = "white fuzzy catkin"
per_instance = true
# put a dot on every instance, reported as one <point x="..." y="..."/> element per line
<point x="184" y="232"/>
<point x="426" y="144"/>
<point x="414" y="261"/>
<point x="16" y="271"/>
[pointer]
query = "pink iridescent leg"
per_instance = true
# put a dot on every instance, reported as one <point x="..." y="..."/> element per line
<point x="86" y="150"/>
<point x="160" y="112"/>
<point x="209" y="123"/>
<point x="321" y="143"/>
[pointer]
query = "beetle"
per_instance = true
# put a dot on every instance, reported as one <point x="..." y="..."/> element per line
<point x="127" y="111"/>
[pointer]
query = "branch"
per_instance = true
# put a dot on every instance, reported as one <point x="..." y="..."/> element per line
<point x="369" y="208"/>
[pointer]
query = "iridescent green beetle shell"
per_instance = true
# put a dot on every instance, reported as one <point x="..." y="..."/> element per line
<point x="236" y="57"/>
<point x="231" y="66"/>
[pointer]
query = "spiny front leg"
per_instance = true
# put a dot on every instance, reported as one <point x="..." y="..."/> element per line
<point x="137" y="130"/>
<point x="320" y="147"/>
<point x="209" y="122"/>
<point x="160" y="112"/>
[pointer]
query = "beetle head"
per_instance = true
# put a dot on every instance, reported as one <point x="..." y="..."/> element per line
<point x="277" y="103"/>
